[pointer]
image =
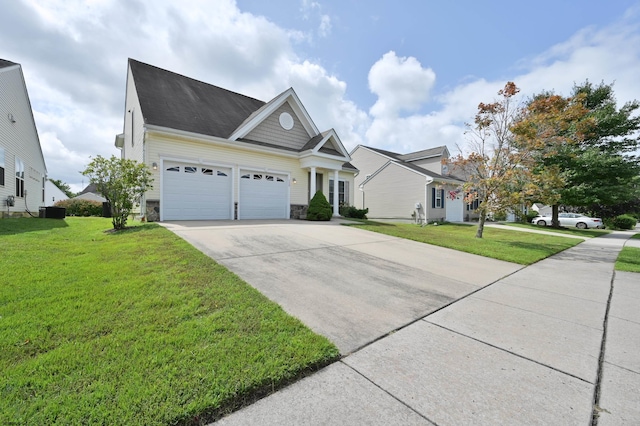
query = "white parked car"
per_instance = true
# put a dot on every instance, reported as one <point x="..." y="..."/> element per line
<point x="571" y="220"/>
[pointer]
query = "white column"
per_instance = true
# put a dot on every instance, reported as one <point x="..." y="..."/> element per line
<point x="336" y="188"/>
<point x="312" y="184"/>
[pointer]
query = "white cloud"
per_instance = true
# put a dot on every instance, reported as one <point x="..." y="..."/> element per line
<point x="400" y="83"/>
<point x="325" y="26"/>
<point x="610" y="54"/>
<point x="74" y="56"/>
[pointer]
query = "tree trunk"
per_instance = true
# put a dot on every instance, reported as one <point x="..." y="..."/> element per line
<point x="555" y="222"/>
<point x="481" y="220"/>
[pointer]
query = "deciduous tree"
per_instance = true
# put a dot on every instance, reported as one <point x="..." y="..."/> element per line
<point x="549" y="130"/>
<point x="121" y="181"/>
<point x="492" y="167"/>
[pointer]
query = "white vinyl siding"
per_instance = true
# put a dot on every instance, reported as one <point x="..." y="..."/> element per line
<point x="270" y="130"/>
<point x="394" y="192"/>
<point x="19" y="139"/>
<point x="133" y="124"/>
<point x="367" y="162"/>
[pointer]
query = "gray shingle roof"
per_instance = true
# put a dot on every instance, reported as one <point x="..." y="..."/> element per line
<point x="4" y="63"/>
<point x="425" y="153"/>
<point x="172" y="100"/>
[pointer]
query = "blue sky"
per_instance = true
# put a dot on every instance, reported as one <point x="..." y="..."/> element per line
<point x="398" y="75"/>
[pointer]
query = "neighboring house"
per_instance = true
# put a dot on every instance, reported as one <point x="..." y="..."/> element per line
<point x="400" y="186"/>
<point x="52" y="193"/>
<point x="542" y="209"/>
<point x="22" y="167"/>
<point x="216" y="154"/>
<point x="90" y="193"/>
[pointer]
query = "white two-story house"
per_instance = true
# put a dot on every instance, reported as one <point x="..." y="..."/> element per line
<point x="22" y="167"/>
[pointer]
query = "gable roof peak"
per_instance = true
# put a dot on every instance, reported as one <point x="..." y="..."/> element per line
<point x="5" y="63"/>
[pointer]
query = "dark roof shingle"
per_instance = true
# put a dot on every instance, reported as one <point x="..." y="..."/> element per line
<point x="172" y="100"/>
<point x="4" y="63"/>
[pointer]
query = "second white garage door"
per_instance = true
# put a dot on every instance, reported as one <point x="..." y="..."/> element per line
<point x="195" y="192"/>
<point x="263" y="196"/>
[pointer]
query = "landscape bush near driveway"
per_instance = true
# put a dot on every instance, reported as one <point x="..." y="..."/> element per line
<point x="134" y="327"/>
<point x="517" y="247"/>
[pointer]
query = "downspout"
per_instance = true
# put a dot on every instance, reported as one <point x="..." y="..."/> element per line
<point x="143" y="199"/>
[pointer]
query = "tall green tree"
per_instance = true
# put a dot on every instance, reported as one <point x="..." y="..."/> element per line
<point x="606" y="168"/>
<point x="64" y="187"/>
<point x="122" y="182"/>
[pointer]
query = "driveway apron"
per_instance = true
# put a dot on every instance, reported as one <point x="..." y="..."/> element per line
<point x="350" y="285"/>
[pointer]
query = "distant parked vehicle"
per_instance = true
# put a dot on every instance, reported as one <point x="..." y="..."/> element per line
<point x="579" y="221"/>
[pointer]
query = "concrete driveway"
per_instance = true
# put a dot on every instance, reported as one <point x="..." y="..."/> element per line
<point x="350" y="285"/>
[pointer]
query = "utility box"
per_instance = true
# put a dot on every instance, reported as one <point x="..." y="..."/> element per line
<point x="53" y="212"/>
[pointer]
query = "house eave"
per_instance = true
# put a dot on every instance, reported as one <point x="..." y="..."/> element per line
<point x="197" y="137"/>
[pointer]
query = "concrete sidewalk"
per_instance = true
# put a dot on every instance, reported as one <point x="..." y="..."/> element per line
<point x="540" y="346"/>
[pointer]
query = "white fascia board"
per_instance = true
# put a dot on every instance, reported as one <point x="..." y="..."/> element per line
<point x="312" y="154"/>
<point x="331" y="133"/>
<point x="197" y="137"/>
<point x="271" y="107"/>
<point x="325" y="163"/>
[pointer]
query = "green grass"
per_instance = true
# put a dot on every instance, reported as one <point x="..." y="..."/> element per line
<point x="135" y="327"/>
<point x="629" y="258"/>
<point x="587" y="233"/>
<point x="517" y="247"/>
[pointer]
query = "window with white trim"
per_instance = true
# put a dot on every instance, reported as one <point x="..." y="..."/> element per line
<point x="437" y="198"/>
<point x="19" y="178"/>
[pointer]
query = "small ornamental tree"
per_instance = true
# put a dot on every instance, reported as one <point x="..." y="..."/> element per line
<point x="319" y="208"/>
<point x="121" y="181"/>
<point x="492" y="169"/>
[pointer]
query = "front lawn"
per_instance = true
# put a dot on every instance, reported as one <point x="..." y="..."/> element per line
<point x="629" y="258"/>
<point x="518" y="247"/>
<point x="136" y="328"/>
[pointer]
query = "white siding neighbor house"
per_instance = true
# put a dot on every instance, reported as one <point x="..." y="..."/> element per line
<point x="403" y="186"/>
<point x="216" y="154"/>
<point x="53" y="194"/>
<point x="22" y="168"/>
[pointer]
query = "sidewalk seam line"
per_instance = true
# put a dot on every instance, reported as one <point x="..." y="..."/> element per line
<point x="596" y="391"/>
<point x="388" y="393"/>
<point x="510" y="352"/>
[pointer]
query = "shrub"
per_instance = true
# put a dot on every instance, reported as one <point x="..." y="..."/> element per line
<point x="350" y="211"/>
<point x="624" y="221"/>
<point x="80" y="207"/>
<point x="319" y="208"/>
<point x="527" y="218"/>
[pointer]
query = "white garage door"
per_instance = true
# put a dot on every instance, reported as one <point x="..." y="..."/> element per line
<point x="263" y="196"/>
<point x="195" y="192"/>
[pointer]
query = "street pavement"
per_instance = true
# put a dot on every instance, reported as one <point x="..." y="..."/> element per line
<point x="552" y="343"/>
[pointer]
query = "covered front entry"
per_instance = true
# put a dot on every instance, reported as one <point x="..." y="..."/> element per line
<point x="263" y="195"/>
<point x="195" y="192"/>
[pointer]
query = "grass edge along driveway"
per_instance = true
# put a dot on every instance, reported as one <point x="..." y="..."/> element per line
<point x="134" y="327"/>
<point x="518" y="247"/>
